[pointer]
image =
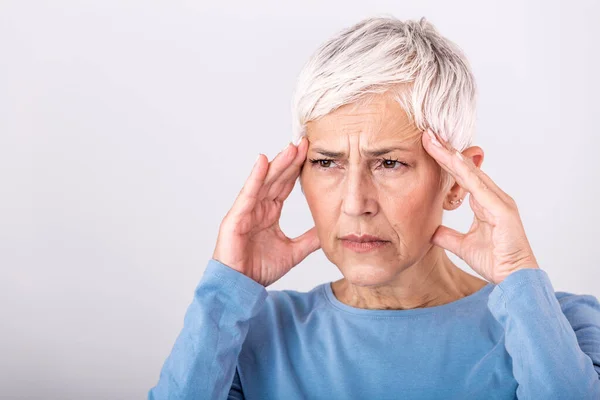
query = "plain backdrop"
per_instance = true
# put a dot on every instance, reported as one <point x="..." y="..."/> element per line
<point x="127" y="128"/>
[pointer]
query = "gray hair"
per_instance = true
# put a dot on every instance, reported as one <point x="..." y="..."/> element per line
<point x="427" y="73"/>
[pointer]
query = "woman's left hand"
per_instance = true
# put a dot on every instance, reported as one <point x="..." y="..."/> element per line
<point x="496" y="244"/>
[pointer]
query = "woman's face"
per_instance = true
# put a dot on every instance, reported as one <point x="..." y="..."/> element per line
<point x="359" y="192"/>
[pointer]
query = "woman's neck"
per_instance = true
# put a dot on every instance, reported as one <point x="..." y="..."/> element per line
<point x="434" y="281"/>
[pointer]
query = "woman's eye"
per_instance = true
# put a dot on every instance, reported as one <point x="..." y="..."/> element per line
<point x="385" y="163"/>
<point x="390" y="164"/>
<point x="323" y="163"/>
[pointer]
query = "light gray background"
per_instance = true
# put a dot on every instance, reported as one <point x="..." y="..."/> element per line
<point x="128" y="127"/>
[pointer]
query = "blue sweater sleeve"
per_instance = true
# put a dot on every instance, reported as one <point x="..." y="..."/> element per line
<point x="202" y="362"/>
<point x="545" y="346"/>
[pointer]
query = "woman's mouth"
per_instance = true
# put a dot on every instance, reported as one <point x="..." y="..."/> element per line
<point x="363" y="247"/>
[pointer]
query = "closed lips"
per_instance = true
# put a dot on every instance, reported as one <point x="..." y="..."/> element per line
<point x="362" y="238"/>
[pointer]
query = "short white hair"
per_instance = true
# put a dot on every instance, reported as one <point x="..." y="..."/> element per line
<point x="427" y="73"/>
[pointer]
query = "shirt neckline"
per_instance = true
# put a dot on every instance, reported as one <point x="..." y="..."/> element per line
<point x="481" y="293"/>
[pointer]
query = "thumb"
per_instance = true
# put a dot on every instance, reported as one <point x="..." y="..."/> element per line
<point x="448" y="238"/>
<point x="305" y="244"/>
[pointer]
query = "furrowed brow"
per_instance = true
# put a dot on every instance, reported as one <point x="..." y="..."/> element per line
<point x="370" y="153"/>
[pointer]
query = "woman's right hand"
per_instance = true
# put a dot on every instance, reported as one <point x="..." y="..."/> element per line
<point x="250" y="239"/>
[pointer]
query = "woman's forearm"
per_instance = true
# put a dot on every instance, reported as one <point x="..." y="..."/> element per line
<point x="548" y="361"/>
<point x="202" y="363"/>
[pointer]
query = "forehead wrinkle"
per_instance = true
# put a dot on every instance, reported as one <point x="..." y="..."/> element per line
<point x="333" y="147"/>
<point x="375" y="152"/>
<point x="378" y="121"/>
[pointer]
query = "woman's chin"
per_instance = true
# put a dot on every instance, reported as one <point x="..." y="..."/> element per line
<point x="367" y="275"/>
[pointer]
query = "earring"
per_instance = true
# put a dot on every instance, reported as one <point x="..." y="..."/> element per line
<point x="456" y="201"/>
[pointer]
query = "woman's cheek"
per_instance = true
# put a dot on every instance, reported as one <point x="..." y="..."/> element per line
<point x="331" y="182"/>
<point x="325" y="179"/>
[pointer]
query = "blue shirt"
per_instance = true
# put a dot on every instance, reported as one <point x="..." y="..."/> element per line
<point x="518" y="339"/>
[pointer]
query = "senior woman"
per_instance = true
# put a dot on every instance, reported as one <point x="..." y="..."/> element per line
<point x="384" y="117"/>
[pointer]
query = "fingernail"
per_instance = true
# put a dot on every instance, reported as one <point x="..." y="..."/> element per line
<point x="257" y="158"/>
<point x="433" y="139"/>
<point x="459" y="155"/>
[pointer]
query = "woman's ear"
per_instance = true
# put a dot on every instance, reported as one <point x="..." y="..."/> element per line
<point x="475" y="154"/>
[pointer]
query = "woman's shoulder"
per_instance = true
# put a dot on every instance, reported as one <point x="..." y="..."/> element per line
<point x="285" y="313"/>
<point x="295" y="302"/>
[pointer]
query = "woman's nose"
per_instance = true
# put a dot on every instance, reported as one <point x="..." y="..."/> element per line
<point x="358" y="195"/>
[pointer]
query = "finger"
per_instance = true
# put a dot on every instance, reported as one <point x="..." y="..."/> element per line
<point x="478" y="210"/>
<point x="489" y="182"/>
<point x="449" y="239"/>
<point x="248" y="195"/>
<point x="478" y="171"/>
<point x="277" y="166"/>
<point x="290" y="174"/>
<point x="286" y="190"/>
<point x="453" y="162"/>
<point x="305" y="244"/>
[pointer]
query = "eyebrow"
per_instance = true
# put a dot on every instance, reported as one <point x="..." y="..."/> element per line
<point x="370" y="153"/>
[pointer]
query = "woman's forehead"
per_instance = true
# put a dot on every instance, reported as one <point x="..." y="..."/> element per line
<point x="369" y="139"/>
<point x="380" y="119"/>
